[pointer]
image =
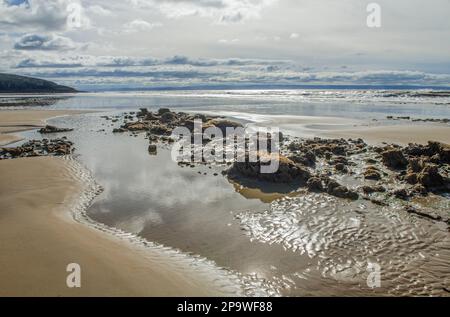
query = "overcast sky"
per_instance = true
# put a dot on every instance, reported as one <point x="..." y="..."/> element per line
<point x="147" y="43"/>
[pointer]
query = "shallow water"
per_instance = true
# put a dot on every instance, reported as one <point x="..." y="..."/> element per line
<point x="309" y="244"/>
<point x="362" y="104"/>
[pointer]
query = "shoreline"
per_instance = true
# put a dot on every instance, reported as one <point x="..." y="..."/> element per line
<point x="40" y="238"/>
<point x="40" y="235"/>
<point x="13" y="121"/>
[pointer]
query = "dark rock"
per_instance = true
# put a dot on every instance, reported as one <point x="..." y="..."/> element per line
<point x="142" y="112"/>
<point x="394" y="159"/>
<point x="373" y="189"/>
<point x="420" y="189"/>
<point x="314" y="184"/>
<point x="53" y="129"/>
<point x="430" y="177"/>
<point x="224" y="124"/>
<point x="372" y="173"/>
<point x="153" y="149"/>
<point x="411" y="178"/>
<point x="162" y="111"/>
<point x="342" y="192"/>
<point x="401" y="193"/>
<point x="135" y="126"/>
<point x="168" y="117"/>
<point x="308" y="159"/>
<point x="287" y="172"/>
<point x="341" y="167"/>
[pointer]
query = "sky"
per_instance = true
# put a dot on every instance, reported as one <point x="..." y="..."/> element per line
<point x="112" y="44"/>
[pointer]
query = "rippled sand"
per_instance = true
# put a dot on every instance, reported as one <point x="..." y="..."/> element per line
<point x="343" y="237"/>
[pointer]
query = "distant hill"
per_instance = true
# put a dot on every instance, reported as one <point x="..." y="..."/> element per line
<point x="20" y="84"/>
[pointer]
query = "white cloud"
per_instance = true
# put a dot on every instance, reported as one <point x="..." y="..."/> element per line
<point x="222" y="11"/>
<point x="294" y="36"/>
<point x="52" y="42"/>
<point x="48" y="15"/>
<point x="99" y="10"/>
<point x="140" y="26"/>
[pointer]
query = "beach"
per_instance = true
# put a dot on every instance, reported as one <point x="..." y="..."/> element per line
<point x="160" y="228"/>
<point x="40" y="237"/>
<point x="21" y="120"/>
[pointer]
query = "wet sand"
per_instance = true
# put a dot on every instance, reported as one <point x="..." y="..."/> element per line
<point x="400" y="134"/>
<point x="21" y="120"/>
<point x="39" y="239"/>
<point x="39" y="236"/>
<point x="330" y="127"/>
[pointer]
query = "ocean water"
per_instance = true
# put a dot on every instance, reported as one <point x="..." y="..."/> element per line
<point x="363" y="104"/>
<point x="303" y="245"/>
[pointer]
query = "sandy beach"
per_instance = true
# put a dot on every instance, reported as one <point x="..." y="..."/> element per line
<point x="39" y="237"/>
<point x="330" y="127"/>
<point x="20" y="120"/>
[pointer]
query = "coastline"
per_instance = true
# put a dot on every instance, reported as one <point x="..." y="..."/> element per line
<point x="42" y="234"/>
<point x="40" y="238"/>
<point x="12" y="121"/>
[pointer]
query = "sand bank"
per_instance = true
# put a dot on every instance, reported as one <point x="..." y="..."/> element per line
<point x="400" y="134"/>
<point x="334" y="127"/>
<point x="39" y="239"/>
<point x="20" y="120"/>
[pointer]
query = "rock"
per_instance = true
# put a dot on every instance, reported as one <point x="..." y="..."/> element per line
<point x="53" y="129"/>
<point x="415" y="165"/>
<point x="394" y="158"/>
<point x="153" y="149"/>
<point x="411" y="178"/>
<point x="119" y="130"/>
<point x="150" y="117"/>
<point x="160" y="129"/>
<point x="401" y="193"/>
<point x="372" y="173"/>
<point x="162" y="111"/>
<point x="442" y="149"/>
<point x="142" y="112"/>
<point x="314" y="184"/>
<point x="135" y="126"/>
<point x="308" y="159"/>
<point x="287" y="172"/>
<point x="54" y="147"/>
<point x="342" y="192"/>
<point x="338" y="150"/>
<point x="430" y="177"/>
<point x="373" y="189"/>
<point x="341" y="167"/>
<point x="420" y="189"/>
<point x="224" y="124"/>
<point x="168" y="117"/>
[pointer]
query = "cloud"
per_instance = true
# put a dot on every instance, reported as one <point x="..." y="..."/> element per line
<point x="32" y="63"/>
<point x="294" y="36"/>
<point x="47" y="15"/>
<point x="99" y="10"/>
<point x="140" y="26"/>
<point x="222" y="11"/>
<point x="52" y="42"/>
<point x="225" y="41"/>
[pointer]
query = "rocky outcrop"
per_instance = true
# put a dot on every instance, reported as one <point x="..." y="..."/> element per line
<point x="336" y="189"/>
<point x="372" y="173"/>
<point x="52" y="129"/>
<point x="394" y="159"/>
<point x="287" y="172"/>
<point x="45" y="147"/>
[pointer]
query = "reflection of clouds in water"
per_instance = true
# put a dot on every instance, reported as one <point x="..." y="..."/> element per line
<point x="137" y="224"/>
